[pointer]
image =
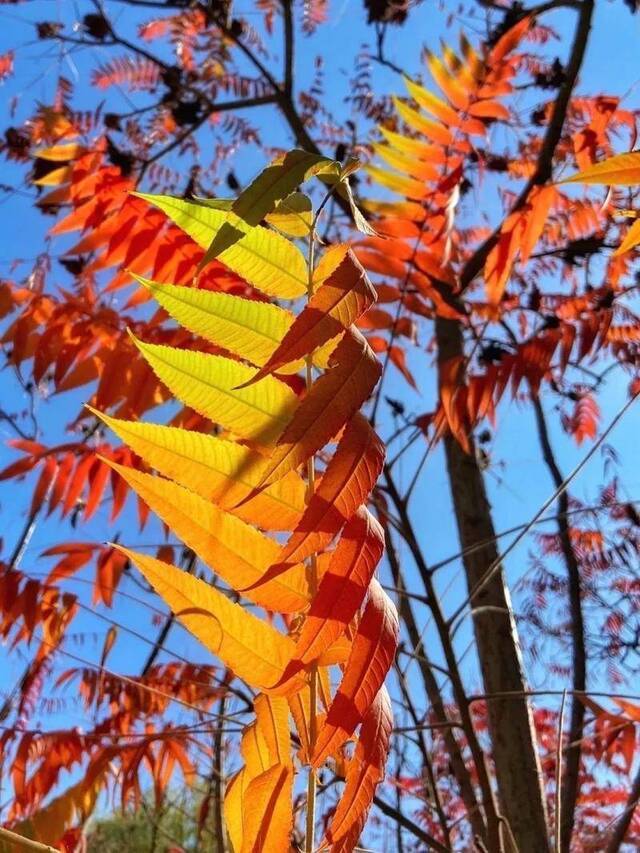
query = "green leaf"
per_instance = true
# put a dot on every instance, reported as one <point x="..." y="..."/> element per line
<point x="209" y="384"/>
<point x="277" y="181"/>
<point x="293" y="215"/>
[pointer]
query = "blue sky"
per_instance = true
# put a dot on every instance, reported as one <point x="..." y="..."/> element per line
<point x="517" y="482"/>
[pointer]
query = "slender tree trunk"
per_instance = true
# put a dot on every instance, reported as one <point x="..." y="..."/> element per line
<point x="570" y="779"/>
<point x="456" y="759"/>
<point x="511" y="722"/>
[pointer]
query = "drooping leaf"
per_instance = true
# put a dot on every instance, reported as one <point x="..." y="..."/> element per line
<point x="276" y="182"/>
<point x="268" y="814"/>
<point x="234" y="550"/>
<point x="258" y="801"/>
<point x="293" y="215"/>
<point x="372" y="654"/>
<point x="364" y="772"/>
<point x="254" y="650"/>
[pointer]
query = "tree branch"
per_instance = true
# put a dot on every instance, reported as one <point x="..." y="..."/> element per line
<point x="544" y="165"/>
<point x="579" y="662"/>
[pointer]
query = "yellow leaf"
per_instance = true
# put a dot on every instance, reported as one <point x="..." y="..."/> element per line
<point x="209" y="384"/>
<point x="235" y="551"/>
<point x="217" y="470"/>
<point x="620" y="170"/>
<point x="409" y="164"/>
<point x="631" y="239"/>
<point x="244" y="327"/>
<point x="275" y="182"/>
<point x="398" y="183"/>
<point x="432" y="103"/>
<point x="433" y="130"/>
<point x="233" y="808"/>
<point x="62" y="153"/>
<point x="451" y="86"/>
<point x="262" y="257"/>
<point x="56" y="177"/>
<point x="293" y="215"/>
<point x="255" y="651"/>
<point x="257" y="803"/>
<point x="407" y="145"/>
<point x="272" y="715"/>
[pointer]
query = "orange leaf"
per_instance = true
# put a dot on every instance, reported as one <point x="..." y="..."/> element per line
<point x="332" y="400"/>
<point x="371" y="657"/>
<point x="341" y="591"/>
<point x="364" y="772"/>
<point x="338" y="302"/>
<point x="346" y="483"/>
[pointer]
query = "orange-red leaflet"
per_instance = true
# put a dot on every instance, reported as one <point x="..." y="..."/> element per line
<point x="348" y="480"/>
<point x="343" y="297"/>
<point x="364" y="772"/>
<point x="332" y="400"/>
<point x="341" y="590"/>
<point x="371" y="657"/>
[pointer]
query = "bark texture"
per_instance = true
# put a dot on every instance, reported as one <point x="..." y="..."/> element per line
<point x="511" y="723"/>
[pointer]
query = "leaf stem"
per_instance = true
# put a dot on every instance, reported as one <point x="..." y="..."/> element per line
<point x="313" y="584"/>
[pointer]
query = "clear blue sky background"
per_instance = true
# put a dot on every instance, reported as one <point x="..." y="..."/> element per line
<point x="517" y="481"/>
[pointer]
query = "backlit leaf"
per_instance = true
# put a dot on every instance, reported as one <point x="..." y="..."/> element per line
<point x="218" y="470"/>
<point x="209" y="384"/>
<point x="262" y="257"/>
<point x="235" y="551"/>
<point x="254" y="650"/>
<point x="372" y="654"/>
<point x="364" y="772"/>
<point x="336" y="304"/>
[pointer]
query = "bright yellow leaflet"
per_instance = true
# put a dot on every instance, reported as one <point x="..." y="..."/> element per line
<point x="209" y="383"/>
<point x="262" y="257"/>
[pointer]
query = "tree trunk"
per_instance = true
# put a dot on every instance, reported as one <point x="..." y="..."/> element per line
<point x="510" y="719"/>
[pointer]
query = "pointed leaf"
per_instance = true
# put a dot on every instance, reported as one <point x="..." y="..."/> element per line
<point x="276" y="182"/>
<point x="244" y="327"/>
<point x="235" y="551"/>
<point x="339" y="301"/>
<point x="262" y="257"/>
<point x="371" y="657"/>
<point x="293" y="215"/>
<point x="218" y="470"/>
<point x="208" y="383"/>
<point x="332" y="400"/>
<point x="255" y="651"/>
<point x="620" y="170"/>
<point x="341" y="590"/>
<point x="364" y="772"/>
<point x="346" y="483"/>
